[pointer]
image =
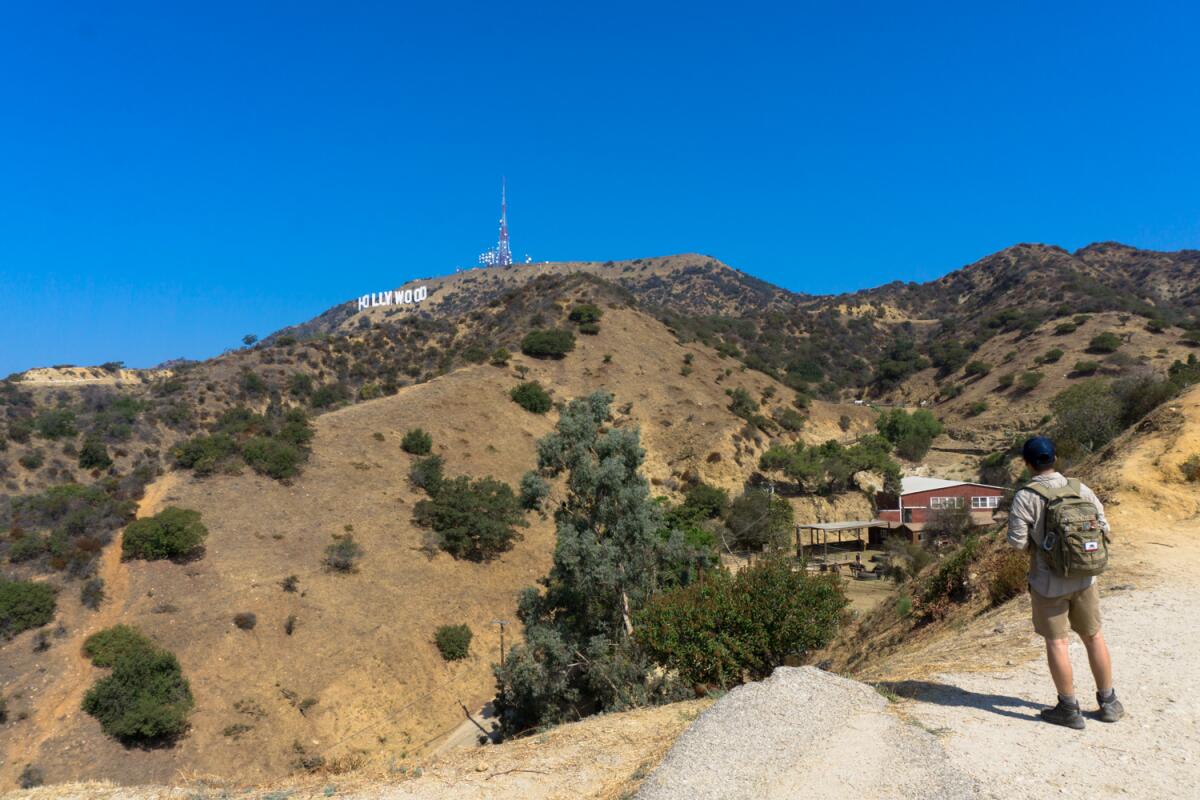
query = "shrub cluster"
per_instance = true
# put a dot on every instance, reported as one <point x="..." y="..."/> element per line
<point x="531" y="397"/>
<point x="829" y="468"/>
<point x="728" y="628"/>
<point x="24" y="605"/>
<point x="343" y="554"/>
<point x="171" y="533"/>
<point x="273" y="444"/>
<point x="1010" y="575"/>
<point x="759" y="519"/>
<point x="417" y="441"/>
<point x="475" y="520"/>
<point x="80" y="520"/>
<point x="146" y="698"/>
<point x="911" y="434"/>
<point x="534" y="490"/>
<point x="453" y="641"/>
<point x="553" y="343"/>
<point x="948" y="584"/>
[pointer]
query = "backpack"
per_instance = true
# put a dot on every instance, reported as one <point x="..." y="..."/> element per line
<point x="1074" y="544"/>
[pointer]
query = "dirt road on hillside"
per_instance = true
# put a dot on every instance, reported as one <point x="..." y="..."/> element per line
<point x="62" y="697"/>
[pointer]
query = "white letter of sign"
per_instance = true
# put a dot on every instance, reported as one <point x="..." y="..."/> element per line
<point x="420" y="294"/>
<point x="408" y="296"/>
<point x="363" y="302"/>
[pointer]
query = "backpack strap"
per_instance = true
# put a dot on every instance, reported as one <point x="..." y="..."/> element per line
<point x="1041" y="491"/>
<point x="1075" y="487"/>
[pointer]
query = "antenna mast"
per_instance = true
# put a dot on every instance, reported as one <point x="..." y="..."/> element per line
<point x="503" y="251"/>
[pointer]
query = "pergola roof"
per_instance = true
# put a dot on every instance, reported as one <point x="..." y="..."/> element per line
<point x="846" y="526"/>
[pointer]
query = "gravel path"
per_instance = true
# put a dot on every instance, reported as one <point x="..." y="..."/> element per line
<point x="805" y="733"/>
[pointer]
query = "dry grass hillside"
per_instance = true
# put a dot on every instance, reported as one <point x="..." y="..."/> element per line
<point x="359" y="677"/>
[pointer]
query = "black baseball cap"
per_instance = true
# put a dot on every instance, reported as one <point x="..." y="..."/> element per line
<point x="1039" y="451"/>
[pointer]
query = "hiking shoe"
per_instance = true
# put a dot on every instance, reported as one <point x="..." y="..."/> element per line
<point x="1110" y="710"/>
<point x="1063" y="714"/>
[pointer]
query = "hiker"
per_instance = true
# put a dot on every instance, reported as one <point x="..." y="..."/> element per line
<point x="1062" y="523"/>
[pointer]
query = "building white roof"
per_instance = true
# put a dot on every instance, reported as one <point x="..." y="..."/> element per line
<point x="914" y="483"/>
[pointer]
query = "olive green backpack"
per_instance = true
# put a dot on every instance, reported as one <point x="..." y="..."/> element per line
<point x="1074" y="544"/>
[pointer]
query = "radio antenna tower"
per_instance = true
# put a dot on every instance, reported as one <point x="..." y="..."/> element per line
<point x="503" y="252"/>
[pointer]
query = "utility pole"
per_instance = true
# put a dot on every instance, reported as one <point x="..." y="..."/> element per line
<point x="501" y="623"/>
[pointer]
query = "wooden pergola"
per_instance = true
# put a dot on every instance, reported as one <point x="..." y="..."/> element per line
<point x="818" y="535"/>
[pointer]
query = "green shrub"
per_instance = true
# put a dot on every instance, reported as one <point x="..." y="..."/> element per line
<point x="1052" y="356"/>
<point x="144" y="699"/>
<point x="171" y="533"/>
<point x="977" y="368"/>
<point x="844" y="422"/>
<point x="1106" y="342"/>
<point x="1010" y="575"/>
<point x="427" y="474"/>
<point x="1063" y="328"/>
<point x="453" y="641"/>
<point x="32" y="460"/>
<point x="343" y="554"/>
<point x="726" y="627"/>
<point x="27" y="548"/>
<point x="94" y="455"/>
<point x="589" y="328"/>
<point x="417" y="441"/>
<point x="1005" y="381"/>
<point x="758" y="518"/>
<point x="586" y="312"/>
<point x="702" y="501"/>
<point x="24" y="605"/>
<point x="252" y="383"/>
<point x="534" y="490"/>
<point x="329" y="394"/>
<point x="548" y="343"/>
<point x="742" y="403"/>
<point x="473" y="520"/>
<point x="300" y="384"/>
<point x="105" y="648"/>
<point x="1087" y="367"/>
<point x="948" y="584"/>
<point x="910" y="433"/>
<point x="977" y="408"/>
<point x="56" y="423"/>
<point x="500" y="357"/>
<point x="1086" y="417"/>
<point x="204" y="454"/>
<point x="790" y="420"/>
<point x="1030" y="380"/>
<point x="531" y="397"/>
<point x="1191" y="469"/>
<point x="1156" y="326"/>
<point x="904" y="607"/>
<point x="273" y="457"/>
<point x="19" y="430"/>
<point x="475" y="354"/>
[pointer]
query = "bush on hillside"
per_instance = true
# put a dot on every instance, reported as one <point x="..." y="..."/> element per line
<point x="105" y="648"/>
<point x="1052" y="356"/>
<point x="171" y="533"/>
<point x="994" y="469"/>
<point x="273" y="457"/>
<point x="531" y="397"/>
<point x="500" y="357"/>
<point x="329" y="394"/>
<point x="948" y="584"/>
<point x="94" y="455"/>
<point x="474" y="520"/>
<point x="705" y="502"/>
<point x="204" y="454"/>
<point x="24" y="605"/>
<point x="1191" y="469"/>
<point x="586" y="312"/>
<point x="911" y="434"/>
<point x="1106" y="342"/>
<point x="453" y="641"/>
<point x="759" y="519"/>
<point x="548" y="343"/>
<point x="1086" y="417"/>
<point x="56" y="423"/>
<point x="977" y="369"/>
<point x="534" y="489"/>
<point x="830" y="468"/>
<point x="417" y="441"/>
<point x="790" y="420"/>
<point x="730" y="627"/>
<point x="27" y="548"/>
<point x="91" y="594"/>
<point x="1086" y="367"/>
<point x="145" y="699"/>
<point x="977" y="408"/>
<point x="1063" y="328"/>
<point x="343" y="554"/>
<point x="427" y="473"/>
<point x="1006" y="381"/>
<point x="1010" y="575"/>
<point x="33" y="460"/>
<point x="589" y="328"/>
<point x="1030" y="380"/>
<point x="742" y="403"/>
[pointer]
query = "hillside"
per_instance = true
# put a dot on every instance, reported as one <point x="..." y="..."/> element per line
<point x="344" y="669"/>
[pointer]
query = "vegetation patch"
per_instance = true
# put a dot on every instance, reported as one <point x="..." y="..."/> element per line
<point x="453" y="641"/>
<point x="24" y="605"/>
<point x="474" y="520"/>
<point x="145" y="699"/>
<point x="531" y="397"/>
<point x="553" y="343"/>
<point x="171" y="533"/>
<point x="417" y="441"/>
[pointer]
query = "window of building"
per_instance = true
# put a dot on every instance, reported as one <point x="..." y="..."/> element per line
<point x="985" y="502"/>
<point x="945" y="502"/>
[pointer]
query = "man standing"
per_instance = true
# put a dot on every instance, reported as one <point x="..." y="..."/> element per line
<point x="1061" y="604"/>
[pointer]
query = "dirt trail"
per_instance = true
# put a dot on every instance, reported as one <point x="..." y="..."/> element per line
<point x="62" y="698"/>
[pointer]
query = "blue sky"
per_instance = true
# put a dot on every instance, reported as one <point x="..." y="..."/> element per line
<point x="175" y="175"/>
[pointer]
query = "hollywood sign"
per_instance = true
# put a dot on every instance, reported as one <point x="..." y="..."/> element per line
<point x="393" y="298"/>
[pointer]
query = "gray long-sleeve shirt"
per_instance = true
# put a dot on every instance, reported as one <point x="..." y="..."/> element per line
<point x="1027" y="519"/>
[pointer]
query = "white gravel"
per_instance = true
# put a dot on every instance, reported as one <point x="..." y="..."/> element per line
<point x="805" y="733"/>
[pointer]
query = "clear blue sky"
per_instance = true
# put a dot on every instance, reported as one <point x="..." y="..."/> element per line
<point x="174" y="175"/>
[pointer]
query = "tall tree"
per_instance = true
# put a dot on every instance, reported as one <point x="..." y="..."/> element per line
<point x="612" y="554"/>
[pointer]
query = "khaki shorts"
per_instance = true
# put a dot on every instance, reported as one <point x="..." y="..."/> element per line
<point x="1079" y="611"/>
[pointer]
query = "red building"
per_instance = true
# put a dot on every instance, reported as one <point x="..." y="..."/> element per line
<point x="921" y="497"/>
